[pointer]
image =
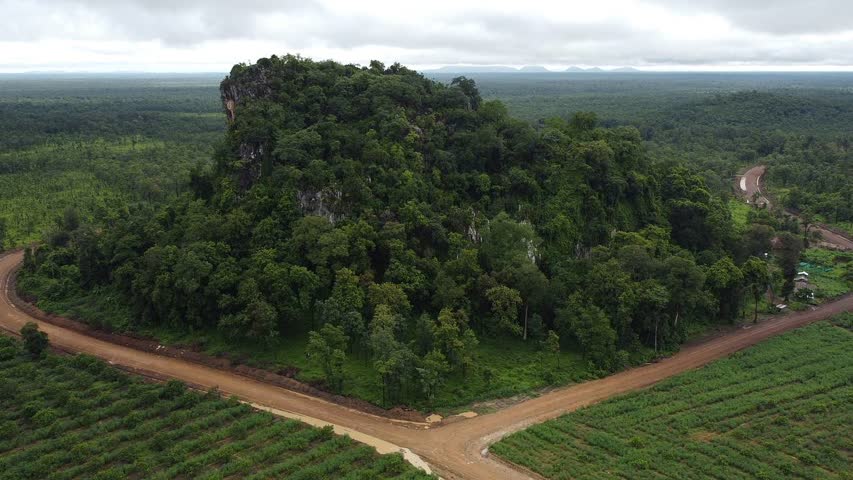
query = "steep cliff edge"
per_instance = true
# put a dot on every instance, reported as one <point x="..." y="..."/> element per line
<point x="241" y="86"/>
<point x="244" y="82"/>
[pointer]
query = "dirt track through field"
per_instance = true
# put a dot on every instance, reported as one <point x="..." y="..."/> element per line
<point x="454" y="450"/>
<point x="750" y="184"/>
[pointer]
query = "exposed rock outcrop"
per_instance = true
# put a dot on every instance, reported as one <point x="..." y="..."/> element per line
<point x="322" y="203"/>
<point x="243" y="83"/>
<point x="252" y="157"/>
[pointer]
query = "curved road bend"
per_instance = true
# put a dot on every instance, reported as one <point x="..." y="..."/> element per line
<point x="454" y="450"/>
<point x="750" y="184"/>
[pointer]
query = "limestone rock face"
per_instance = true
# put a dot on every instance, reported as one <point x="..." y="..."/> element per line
<point x="253" y="82"/>
<point x="322" y="203"/>
<point x="250" y="82"/>
<point x="242" y="84"/>
<point x="251" y="157"/>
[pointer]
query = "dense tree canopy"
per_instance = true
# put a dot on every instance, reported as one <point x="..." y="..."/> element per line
<point x="399" y="219"/>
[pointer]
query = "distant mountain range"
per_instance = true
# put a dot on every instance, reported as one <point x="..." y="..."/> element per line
<point x="524" y="69"/>
<point x="473" y="69"/>
<point x="533" y="68"/>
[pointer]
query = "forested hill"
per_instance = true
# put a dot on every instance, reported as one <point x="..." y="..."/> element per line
<point x="388" y="146"/>
<point x="402" y="219"/>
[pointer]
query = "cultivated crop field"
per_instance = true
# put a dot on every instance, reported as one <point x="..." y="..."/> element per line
<point x="781" y="409"/>
<point x="75" y="417"/>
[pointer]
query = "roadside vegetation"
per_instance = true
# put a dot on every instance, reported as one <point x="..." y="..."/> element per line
<point x="776" y="410"/>
<point x="76" y="417"/>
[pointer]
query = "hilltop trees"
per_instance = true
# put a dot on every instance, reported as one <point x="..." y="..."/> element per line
<point x="397" y="220"/>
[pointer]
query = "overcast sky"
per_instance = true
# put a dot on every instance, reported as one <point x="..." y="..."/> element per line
<point x="212" y="35"/>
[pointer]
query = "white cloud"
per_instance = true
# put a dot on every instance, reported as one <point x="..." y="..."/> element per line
<point x="780" y="17"/>
<point x="211" y="35"/>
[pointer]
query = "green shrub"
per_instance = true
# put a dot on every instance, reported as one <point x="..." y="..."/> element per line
<point x="74" y="404"/>
<point x="637" y="442"/>
<point x="88" y="363"/>
<point x="8" y="429"/>
<point x="114" y="473"/>
<point x="8" y="353"/>
<point x="172" y="389"/>
<point x="35" y="341"/>
<point x="46" y="417"/>
<point x="31" y="408"/>
<point x="8" y="389"/>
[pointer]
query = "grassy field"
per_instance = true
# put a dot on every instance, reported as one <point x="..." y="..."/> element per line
<point x="740" y="212"/>
<point x="829" y="271"/>
<point x="778" y="410"/>
<point x="76" y="417"/>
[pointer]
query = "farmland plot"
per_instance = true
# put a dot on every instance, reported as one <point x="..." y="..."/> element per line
<point x="781" y="409"/>
<point x="75" y="417"/>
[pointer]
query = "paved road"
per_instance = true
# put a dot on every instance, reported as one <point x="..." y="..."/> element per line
<point x="454" y="450"/>
<point x="750" y="184"/>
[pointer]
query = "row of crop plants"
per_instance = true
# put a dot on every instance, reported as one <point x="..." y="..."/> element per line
<point x="778" y="410"/>
<point x="75" y="417"/>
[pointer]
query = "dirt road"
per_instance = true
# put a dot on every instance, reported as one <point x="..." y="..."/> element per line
<point x="454" y="450"/>
<point x="750" y="184"/>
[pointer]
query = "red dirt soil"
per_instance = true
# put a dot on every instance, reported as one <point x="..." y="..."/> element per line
<point x="457" y="450"/>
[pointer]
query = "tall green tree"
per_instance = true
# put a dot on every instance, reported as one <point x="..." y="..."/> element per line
<point x="685" y="282"/>
<point x="591" y="327"/>
<point x="344" y="307"/>
<point x="505" y="302"/>
<point x="432" y="371"/>
<point x="35" y="341"/>
<point x="327" y="348"/>
<point x="757" y="239"/>
<point x="394" y="360"/>
<point x="788" y="255"/>
<point x="257" y="318"/>
<point x="756" y="278"/>
<point x="726" y="281"/>
<point x="552" y="346"/>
